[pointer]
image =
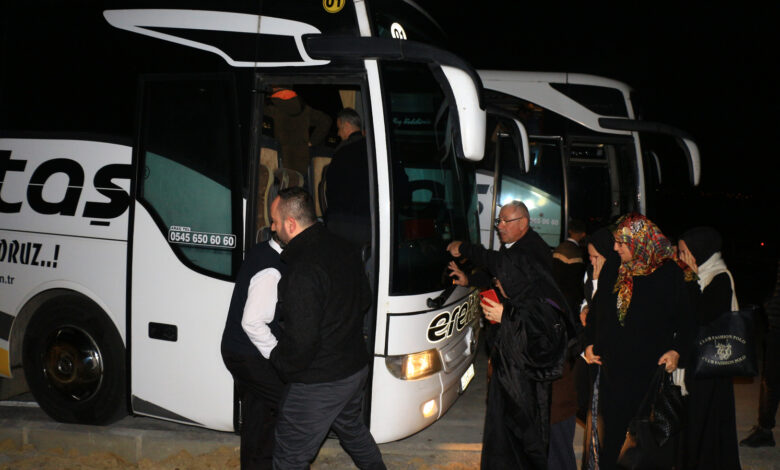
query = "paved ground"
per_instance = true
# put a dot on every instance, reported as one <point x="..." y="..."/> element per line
<point x="30" y="440"/>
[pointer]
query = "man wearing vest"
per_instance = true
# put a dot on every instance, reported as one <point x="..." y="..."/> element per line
<point x="246" y="344"/>
<point x="321" y="354"/>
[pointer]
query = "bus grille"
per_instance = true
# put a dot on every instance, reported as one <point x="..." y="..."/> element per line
<point x="458" y="351"/>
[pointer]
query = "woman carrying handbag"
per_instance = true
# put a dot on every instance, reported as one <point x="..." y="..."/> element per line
<point x="711" y="434"/>
<point x="642" y="320"/>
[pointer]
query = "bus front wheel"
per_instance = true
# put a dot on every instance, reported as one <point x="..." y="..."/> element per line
<point x="74" y="362"/>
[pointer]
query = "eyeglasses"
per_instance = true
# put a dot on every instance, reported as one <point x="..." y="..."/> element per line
<point x="499" y="220"/>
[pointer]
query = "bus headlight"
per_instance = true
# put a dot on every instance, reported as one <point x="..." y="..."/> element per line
<point x="414" y="366"/>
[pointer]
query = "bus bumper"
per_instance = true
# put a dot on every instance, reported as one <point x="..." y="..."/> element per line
<point x="400" y="408"/>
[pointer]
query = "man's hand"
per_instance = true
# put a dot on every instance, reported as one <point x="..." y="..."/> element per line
<point x="670" y="359"/>
<point x="590" y="357"/>
<point x="454" y="248"/>
<point x="459" y="277"/>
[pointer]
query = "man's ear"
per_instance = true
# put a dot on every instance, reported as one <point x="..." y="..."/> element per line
<point x="290" y="224"/>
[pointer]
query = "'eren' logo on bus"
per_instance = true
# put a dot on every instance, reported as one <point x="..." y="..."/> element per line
<point x="118" y="199"/>
<point x="447" y="323"/>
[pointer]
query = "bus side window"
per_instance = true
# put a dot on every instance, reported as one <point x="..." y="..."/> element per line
<point x="187" y="158"/>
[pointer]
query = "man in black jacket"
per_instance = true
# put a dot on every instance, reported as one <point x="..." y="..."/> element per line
<point x="321" y="352"/>
<point x="529" y="344"/>
<point x="246" y="343"/>
<point x="769" y="397"/>
<point x="347" y="182"/>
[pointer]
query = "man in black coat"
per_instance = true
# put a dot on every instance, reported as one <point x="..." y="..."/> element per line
<point x="347" y="182"/>
<point x="769" y="397"/>
<point x="246" y="343"/>
<point x="529" y="344"/>
<point x="568" y="265"/>
<point x="321" y="352"/>
<point x="522" y="265"/>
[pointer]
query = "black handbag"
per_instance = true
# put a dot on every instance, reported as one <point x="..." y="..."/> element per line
<point x="725" y="347"/>
<point x="651" y="440"/>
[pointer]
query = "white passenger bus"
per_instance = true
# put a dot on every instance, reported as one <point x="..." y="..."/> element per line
<point x="137" y="167"/>
<point x="585" y="158"/>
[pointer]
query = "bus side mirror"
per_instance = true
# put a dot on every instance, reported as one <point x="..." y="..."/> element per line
<point x="458" y="80"/>
<point x="692" y="154"/>
<point x="519" y="136"/>
<point x="522" y="147"/>
<point x="685" y="141"/>
<point x="471" y="118"/>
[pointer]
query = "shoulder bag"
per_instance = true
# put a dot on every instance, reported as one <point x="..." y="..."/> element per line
<point x="725" y="347"/>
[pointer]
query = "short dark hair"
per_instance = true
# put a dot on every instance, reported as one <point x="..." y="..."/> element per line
<point x="577" y="226"/>
<point x="297" y="203"/>
<point x="350" y="116"/>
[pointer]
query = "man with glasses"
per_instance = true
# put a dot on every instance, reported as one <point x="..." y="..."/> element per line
<point x="529" y="347"/>
<point x="519" y="242"/>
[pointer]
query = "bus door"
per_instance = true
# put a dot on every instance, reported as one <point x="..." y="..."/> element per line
<point x="186" y="249"/>
<point x="541" y="188"/>
<point x="602" y="179"/>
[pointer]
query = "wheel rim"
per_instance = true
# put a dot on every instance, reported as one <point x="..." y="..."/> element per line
<point x="73" y="363"/>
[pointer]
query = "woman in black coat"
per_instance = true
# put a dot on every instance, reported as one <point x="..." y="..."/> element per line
<point x="640" y="321"/>
<point x="711" y="433"/>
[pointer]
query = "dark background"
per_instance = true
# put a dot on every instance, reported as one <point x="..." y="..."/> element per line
<point x="707" y="70"/>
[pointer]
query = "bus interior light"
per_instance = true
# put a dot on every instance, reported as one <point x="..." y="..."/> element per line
<point x="414" y="366"/>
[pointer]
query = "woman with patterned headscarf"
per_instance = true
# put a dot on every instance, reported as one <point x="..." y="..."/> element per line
<point x="641" y="321"/>
<point x="711" y="434"/>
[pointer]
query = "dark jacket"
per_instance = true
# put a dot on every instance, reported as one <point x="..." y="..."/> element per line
<point x="773" y="306"/>
<point x="528" y="353"/>
<point x="347" y="193"/>
<point x="292" y="122"/>
<point x="659" y="318"/>
<point x="568" y="269"/>
<point x="234" y="339"/>
<point x="524" y="269"/>
<point x="322" y="298"/>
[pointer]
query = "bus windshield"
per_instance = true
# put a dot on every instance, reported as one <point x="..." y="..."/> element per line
<point x="434" y="193"/>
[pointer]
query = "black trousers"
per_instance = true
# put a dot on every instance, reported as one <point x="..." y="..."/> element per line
<point x="561" y="453"/>
<point x="308" y="411"/>
<point x="770" y="380"/>
<point x="259" y="390"/>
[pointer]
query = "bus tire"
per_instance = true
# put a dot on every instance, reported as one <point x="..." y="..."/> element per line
<point x="74" y="362"/>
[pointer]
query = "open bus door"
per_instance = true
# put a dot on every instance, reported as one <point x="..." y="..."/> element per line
<point x="186" y="234"/>
<point x="507" y="152"/>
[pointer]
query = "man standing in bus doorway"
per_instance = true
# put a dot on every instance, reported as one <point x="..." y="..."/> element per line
<point x="297" y="126"/>
<point x="321" y="353"/>
<point x="247" y="342"/>
<point x="347" y="182"/>
<point x="530" y="344"/>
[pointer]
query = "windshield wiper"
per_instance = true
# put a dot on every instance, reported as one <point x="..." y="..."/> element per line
<point x="437" y="302"/>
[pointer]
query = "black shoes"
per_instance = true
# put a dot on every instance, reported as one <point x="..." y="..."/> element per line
<point x="758" y="437"/>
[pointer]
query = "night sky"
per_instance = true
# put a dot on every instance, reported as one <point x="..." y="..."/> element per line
<point x="707" y="70"/>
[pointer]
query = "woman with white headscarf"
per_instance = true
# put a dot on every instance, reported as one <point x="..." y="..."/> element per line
<point x="711" y="435"/>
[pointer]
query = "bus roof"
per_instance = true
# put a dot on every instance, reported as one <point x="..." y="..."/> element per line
<point x="555" y="91"/>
